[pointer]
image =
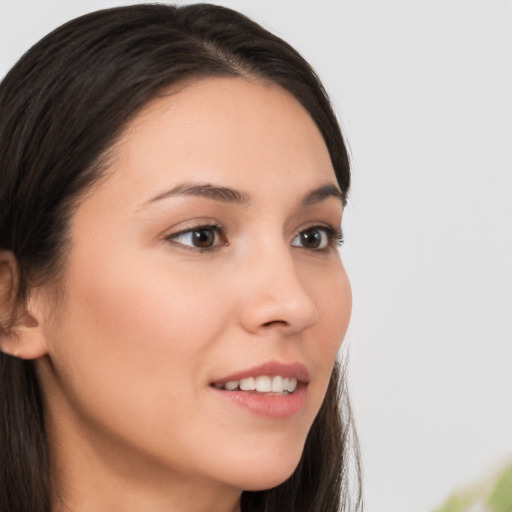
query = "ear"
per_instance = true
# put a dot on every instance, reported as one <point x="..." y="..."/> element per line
<point x="21" y="333"/>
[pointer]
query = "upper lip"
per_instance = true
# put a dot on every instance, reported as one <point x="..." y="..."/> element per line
<point x="291" y="370"/>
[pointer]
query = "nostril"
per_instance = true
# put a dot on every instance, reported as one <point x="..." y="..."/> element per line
<point x="275" y="322"/>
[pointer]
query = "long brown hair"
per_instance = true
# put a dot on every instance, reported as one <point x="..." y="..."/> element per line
<point x="61" y="108"/>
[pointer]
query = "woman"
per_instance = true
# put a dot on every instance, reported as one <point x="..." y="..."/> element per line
<point x="172" y="300"/>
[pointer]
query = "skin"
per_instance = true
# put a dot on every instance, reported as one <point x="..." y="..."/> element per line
<point x="146" y="322"/>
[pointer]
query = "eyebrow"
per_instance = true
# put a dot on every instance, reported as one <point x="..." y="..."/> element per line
<point x="230" y="195"/>
<point x="321" y="194"/>
<point x="223" y="194"/>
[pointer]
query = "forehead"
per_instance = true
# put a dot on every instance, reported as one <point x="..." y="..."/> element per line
<point x="243" y="133"/>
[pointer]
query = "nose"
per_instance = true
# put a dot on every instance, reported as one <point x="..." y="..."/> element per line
<point x="274" y="297"/>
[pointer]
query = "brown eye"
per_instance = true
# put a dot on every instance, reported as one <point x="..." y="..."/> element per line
<point x="315" y="238"/>
<point x="201" y="237"/>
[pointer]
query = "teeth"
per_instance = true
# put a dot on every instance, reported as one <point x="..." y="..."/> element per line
<point x="261" y="384"/>
<point x="277" y="384"/>
<point x="231" y="385"/>
<point x="248" y="384"/>
<point x="292" y="384"/>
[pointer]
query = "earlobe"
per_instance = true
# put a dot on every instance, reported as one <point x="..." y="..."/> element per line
<point x="24" y="343"/>
<point x="21" y="334"/>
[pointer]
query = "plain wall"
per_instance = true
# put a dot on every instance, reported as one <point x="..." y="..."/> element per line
<point x="423" y="92"/>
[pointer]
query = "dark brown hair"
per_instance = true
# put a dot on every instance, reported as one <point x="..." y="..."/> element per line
<point x="61" y="108"/>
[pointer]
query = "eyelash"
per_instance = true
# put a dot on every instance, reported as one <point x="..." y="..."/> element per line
<point x="334" y="237"/>
<point x="217" y="229"/>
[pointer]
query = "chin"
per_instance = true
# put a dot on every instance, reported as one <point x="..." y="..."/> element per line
<point x="264" y="474"/>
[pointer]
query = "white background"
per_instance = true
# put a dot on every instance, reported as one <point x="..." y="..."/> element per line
<point x="423" y="90"/>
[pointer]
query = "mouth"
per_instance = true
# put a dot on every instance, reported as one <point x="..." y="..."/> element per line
<point x="274" y="390"/>
<point x="276" y="385"/>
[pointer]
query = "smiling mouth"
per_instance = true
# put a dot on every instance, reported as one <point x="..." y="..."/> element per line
<point x="262" y="384"/>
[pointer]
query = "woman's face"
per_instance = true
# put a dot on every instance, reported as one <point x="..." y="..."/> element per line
<point x="207" y="257"/>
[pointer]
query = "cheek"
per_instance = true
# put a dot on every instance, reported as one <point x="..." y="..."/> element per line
<point x="330" y="289"/>
<point x="131" y="335"/>
<point x="339" y="306"/>
<point x="333" y="297"/>
<point x="143" y="307"/>
<point x="134" y="344"/>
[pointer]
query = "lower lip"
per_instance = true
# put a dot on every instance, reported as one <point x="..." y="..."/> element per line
<point x="268" y="406"/>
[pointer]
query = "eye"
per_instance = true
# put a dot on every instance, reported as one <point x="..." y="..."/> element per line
<point x="318" y="238"/>
<point x="200" y="237"/>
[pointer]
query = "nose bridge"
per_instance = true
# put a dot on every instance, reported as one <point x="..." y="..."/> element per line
<point x="274" y="295"/>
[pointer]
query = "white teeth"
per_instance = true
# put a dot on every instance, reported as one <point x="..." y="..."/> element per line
<point x="291" y="385"/>
<point x="231" y="385"/>
<point x="277" y="384"/>
<point x="261" y="384"/>
<point x="248" y="384"/>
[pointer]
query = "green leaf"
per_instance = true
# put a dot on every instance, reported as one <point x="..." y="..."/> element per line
<point x="500" y="499"/>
